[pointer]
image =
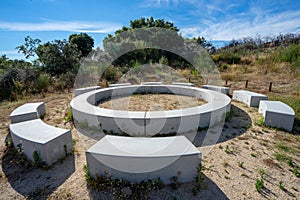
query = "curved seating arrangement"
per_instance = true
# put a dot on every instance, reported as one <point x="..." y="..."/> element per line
<point x="34" y="135"/>
<point x="224" y="90"/>
<point x="80" y="91"/>
<point x="250" y="98"/>
<point x="28" y="111"/>
<point x="277" y="114"/>
<point x="136" y="158"/>
<point x="151" y="122"/>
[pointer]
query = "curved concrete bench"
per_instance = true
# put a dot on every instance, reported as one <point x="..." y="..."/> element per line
<point x="277" y="114"/>
<point x="50" y="142"/>
<point x="80" y="91"/>
<point x="183" y="84"/>
<point x="250" y="98"/>
<point x="137" y="159"/>
<point x="28" y="111"/>
<point x="224" y="90"/>
<point x="149" y="123"/>
<point x="119" y="84"/>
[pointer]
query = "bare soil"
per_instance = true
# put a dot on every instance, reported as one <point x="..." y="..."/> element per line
<point x="151" y="102"/>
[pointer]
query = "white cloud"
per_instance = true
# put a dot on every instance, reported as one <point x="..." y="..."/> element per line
<point x="54" y="25"/>
<point x="244" y="26"/>
<point x="163" y="3"/>
<point x="12" y="54"/>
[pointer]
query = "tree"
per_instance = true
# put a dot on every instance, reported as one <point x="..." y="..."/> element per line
<point x="29" y="48"/>
<point x="58" y="57"/>
<point x="129" y="44"/>
<point x="84" y="43"/>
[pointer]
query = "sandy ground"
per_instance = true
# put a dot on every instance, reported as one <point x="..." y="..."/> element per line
<point x="152" y="102"/>
<point x="242" y="140"/>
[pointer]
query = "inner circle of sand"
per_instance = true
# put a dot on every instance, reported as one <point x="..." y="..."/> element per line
<point x="151" y="102"/>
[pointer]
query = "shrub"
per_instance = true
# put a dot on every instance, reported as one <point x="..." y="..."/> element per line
<point x="110" y="73"/>
<point x="43" y="82"/>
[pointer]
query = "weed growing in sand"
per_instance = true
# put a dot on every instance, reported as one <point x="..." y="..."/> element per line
<point x="228" y="150"/>
<point x="281" y="186"/>
<point x="280" y="156"/>
<point x="116" y="186"/>
<point x="241" y="164"/>
<point x="253" y="155"/>
<point x="259" y="185"/>
<point x="296" y="172"/>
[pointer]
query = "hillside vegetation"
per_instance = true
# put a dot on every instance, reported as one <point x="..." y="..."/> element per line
<point x="258" y="60"/>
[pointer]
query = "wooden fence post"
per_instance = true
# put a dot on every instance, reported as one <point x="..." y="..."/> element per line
<point x="246" y="85"/>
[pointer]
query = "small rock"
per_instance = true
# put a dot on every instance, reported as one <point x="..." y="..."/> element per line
<point x="127" y="191"/>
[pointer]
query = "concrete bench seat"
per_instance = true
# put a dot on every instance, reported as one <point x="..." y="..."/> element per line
<point x="224" y="90"/>
<point x="250" y="98"/>
<point x="80" y="91"/>
<point x="277" y="114"/>
<point x="28" y="111"/>
<point x="137" y="158"/>
<point x="183" y="84"/>
<point x="119" y="84"/>
<point x="151" y="83"/>
<point x="35" y="135"/>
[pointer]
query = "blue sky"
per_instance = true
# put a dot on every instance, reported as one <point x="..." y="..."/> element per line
<point x="214" y="19"/>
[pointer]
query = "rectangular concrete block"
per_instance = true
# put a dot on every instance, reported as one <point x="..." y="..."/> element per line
<point x="224" y="90"/>
<point x="34" y="135"/>
<point x="277" y="114"/>
<point x="250" y="98"/>
<point x="27" y="112"/>
<point x="136" y="158"/>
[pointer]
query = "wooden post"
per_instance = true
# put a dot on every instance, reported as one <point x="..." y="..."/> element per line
<point x="246" y="85"/>
<point x="270" y="87"/>
<point x="226" y="82"/>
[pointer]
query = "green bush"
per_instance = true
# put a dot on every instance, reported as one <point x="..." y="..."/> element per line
<point x="227" y="57"/>
<point x="43" y="82"/>
<point x="110" y="73"/>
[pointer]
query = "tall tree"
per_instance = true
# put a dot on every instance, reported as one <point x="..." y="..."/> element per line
<point x="58" y="57"/>
<point x="84" y="42"/>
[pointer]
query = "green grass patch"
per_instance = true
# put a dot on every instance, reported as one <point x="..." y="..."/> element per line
<point x="281" y="157"/>
<point x="282" y="146"/>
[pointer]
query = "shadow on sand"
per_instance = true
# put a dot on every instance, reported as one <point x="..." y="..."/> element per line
<point x="238" y="124"/>
<point x="32" y="182"/>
